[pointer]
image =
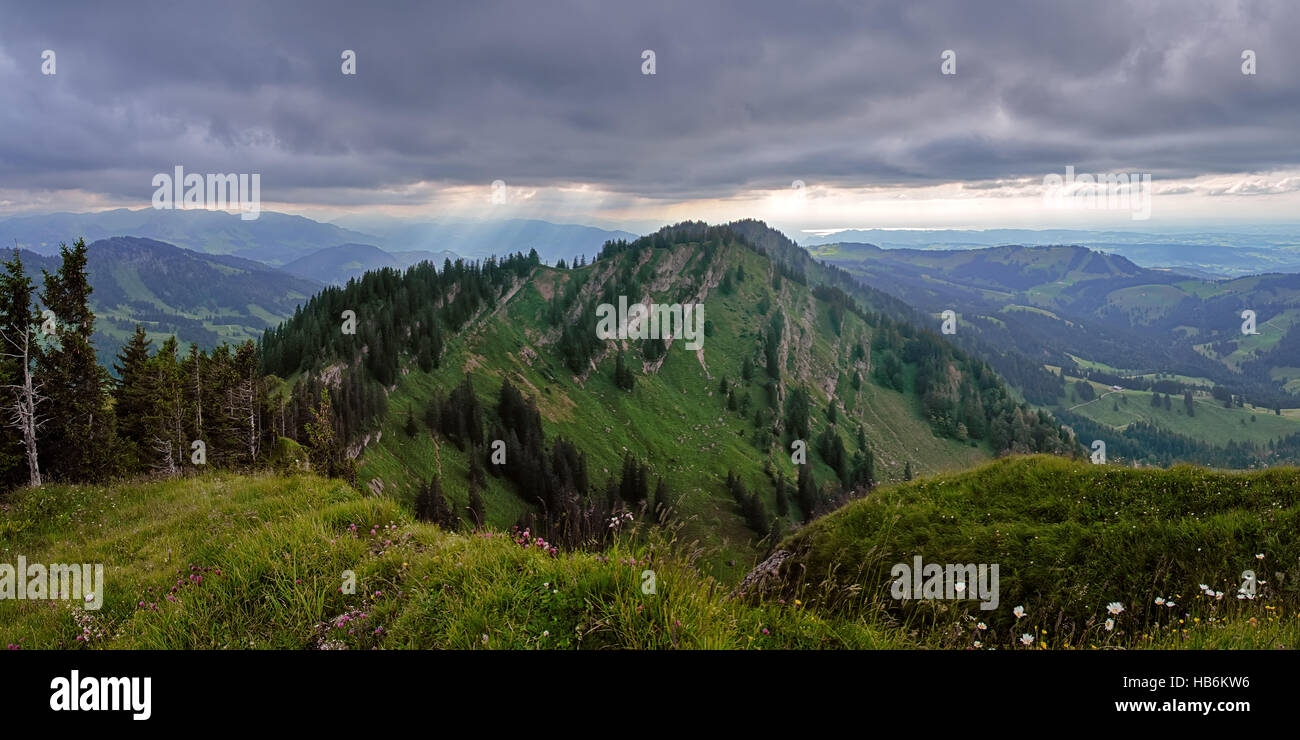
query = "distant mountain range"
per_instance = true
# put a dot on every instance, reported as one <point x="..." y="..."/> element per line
<point x="1228" y="253"/>
<point x="272" y="239"/>
<point x="278" y="239"/>
<point x="337" y="265"/>
<point x="478" y="239"/>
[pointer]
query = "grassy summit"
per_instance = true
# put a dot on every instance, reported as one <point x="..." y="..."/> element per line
<point x="1070" y="538"/>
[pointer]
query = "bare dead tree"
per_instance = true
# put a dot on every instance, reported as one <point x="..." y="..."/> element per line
<point x="167" y="458"/>
<point x="24" y="401"/>
<point x="197" y="385"/>
<point x="245" y="408"/>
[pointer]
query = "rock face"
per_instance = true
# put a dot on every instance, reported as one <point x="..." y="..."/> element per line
<point x="766" y="576"/>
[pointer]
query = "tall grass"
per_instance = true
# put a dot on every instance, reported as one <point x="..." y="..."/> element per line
<point x="1070" y="538"/>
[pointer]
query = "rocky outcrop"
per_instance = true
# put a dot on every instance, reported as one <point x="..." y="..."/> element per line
<point x="765" y="577"/>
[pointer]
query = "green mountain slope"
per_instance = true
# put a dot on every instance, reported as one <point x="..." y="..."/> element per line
<point x="691" y="418"/>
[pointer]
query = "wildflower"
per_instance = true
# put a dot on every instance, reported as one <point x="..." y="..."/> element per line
<point x="1259" y="556"/>
<point x="981" y="626"/>
<point x="979" y="644"/>
<point x="1114" y="607"/>
<point x="1110" y="625"/>
<point x="1026" y="639"/>
<point x="484" y="639"/>
<point x="1018" y="611"/>
<point x="546" y="633"/>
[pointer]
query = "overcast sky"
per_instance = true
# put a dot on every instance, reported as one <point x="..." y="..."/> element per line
<point x="747" y="98"/>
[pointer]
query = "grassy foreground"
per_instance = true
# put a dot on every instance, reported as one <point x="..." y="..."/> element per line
<point x="227" y="561"/>
<point x="237" y="562"/>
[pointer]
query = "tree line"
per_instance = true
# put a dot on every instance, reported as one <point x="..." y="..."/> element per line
<point x="166" y="411"/>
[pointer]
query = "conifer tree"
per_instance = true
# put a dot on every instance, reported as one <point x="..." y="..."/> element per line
<point x="164" y="420"/>
<point x="132" y="400"/>
<point x="806" y="491"/>
<point x="476" y="508"/>
<point x="322" y="441"/>
<point x="79" y="434"/>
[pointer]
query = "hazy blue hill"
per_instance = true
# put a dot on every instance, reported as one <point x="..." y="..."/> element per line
<point x="339" y="264"/>
<point x="278" y="238"/>
<point x="478" y="239"/>
<point x="272" y="238"/>
<point x="1240" y="251"/>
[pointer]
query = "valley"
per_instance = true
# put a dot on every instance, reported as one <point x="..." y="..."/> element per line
<point x="1081" y="316"/>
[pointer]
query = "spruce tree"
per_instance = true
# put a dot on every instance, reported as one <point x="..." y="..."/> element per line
<point x="476" y="509"/>
<point x="132" y="400"/>
<point x="322" y="441"/>
<point x="78" y="438"/>
<point x="806" y="491"/>
<point x="164" y="444"/>
<point x="661" y="501"/>
<point x="410" y="427"/>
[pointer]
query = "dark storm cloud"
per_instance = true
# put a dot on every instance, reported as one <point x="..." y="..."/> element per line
<point x="747" y="94"/>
